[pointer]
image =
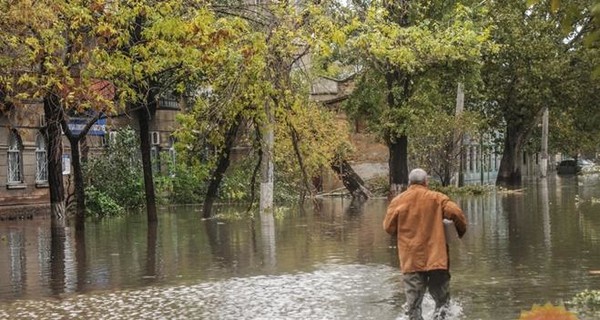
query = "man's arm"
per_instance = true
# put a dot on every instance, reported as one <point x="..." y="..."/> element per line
<point x="390" y="222"/>
<point x="454" y="213"/>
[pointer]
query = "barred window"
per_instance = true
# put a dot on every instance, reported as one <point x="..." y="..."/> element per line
<point x="41" y="160"/>
<point x="155" y="156"/>
<point x="15" y="159"/>
<point x="172" y="152"/>
<point x="172" y="156"/>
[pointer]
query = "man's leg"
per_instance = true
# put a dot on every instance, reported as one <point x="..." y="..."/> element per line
<point x="439" y="288"/>
<point x="414" y="288"/>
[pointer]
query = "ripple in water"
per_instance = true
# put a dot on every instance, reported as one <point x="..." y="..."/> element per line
<point x="330" y="292"/>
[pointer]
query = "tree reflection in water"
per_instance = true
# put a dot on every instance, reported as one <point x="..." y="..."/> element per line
<point x="536" y="245"/>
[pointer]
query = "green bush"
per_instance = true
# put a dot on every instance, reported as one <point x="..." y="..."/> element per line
<point x="379" y="186"/>
<point x="471" y="189"/>
<point x="236" y="185"/>
<point x="187" y="185"/>
<point x="100" y="205"/>
<point x="589" y="299"/>
<point x="182" y="184"/>
<point x="117" y="172"/>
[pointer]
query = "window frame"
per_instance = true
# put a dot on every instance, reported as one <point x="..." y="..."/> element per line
<point x="41" y="160"/>
<point x="14" y="159"/>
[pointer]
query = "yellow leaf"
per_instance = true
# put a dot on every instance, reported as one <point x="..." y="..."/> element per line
<point x="338" y="37"/>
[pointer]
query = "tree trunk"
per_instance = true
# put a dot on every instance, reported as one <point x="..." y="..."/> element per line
<point x="267" y="165"/>
<point x="79" y="184"/>
<point x="352" y="181"/>
<point x="448" y="170"/>
<point x="509" y="173"/>
<point x="77" y="140"/>
<point x="54" y="116"/>
<point x="398" y="165"/>
<point x="144" y="119"/>
<point x="151" y="246"/>
<point x="268" y="241"/>
<point x="58" y="237"/>
<point x="145" y="110"/>
<point x="397" y="146"/>
<point x="80" y="259"/>
<point x="222" y="165"/>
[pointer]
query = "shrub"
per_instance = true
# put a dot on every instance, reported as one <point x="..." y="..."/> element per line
<point x="471" y="189"/>
<point x="589" y="299"/>
<point x="236" y="184"/>
<point x="117" y="172"/>
<point x="379" y="186"/>
<point x="187" y="185"/>
<point x="99" y="205"/>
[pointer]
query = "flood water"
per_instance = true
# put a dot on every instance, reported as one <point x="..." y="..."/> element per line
<point x="532" y="246"/>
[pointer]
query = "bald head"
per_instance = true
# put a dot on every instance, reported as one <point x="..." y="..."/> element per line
<point x="417" y="176"/>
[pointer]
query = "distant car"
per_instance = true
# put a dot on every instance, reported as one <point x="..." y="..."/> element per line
<point x="572" y="166"/>
<point x="587" y="166"/>
<point x="584" y="162"/>
<point x="569" y="166"/>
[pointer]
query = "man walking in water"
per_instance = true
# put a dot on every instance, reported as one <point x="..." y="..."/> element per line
<point x="416" y="218"/>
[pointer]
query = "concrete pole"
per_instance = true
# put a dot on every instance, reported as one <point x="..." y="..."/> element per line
<point x="458" y="137"/>
<point x="544" y="160"/>
<point x="267" y="163"/>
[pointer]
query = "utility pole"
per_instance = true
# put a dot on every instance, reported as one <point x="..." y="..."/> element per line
<point x="267" y="163"/>
<point x="458" y="136"/>
<point x="544" y="160"/>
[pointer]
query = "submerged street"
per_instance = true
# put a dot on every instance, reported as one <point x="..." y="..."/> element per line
<point x="531" y="246"/>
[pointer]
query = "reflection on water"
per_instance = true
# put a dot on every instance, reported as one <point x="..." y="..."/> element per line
<point x="329" y="292"/>
<point x="535" y="245"/>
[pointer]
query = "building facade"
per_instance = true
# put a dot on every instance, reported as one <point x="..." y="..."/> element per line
<point x="23" y="166"/>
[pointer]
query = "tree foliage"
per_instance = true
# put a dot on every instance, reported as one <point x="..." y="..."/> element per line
<point x="267" y="65"/>
<point x="242" y="69"/>
<point x="48" y="57"/>
<point x="117" y="172"/>
<point x="533" y="69"/>
<point x="411" y="57"/>
<point x="48" y="49"/>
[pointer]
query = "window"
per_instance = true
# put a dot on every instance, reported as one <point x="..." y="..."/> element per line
<point x="15" y="159"/>
<point x="66" y="164"/>
<point x="155" y="156"/>
<point x="172" y="156"/>
<point x="41" y="160"/>
<point x="155" y="138"/>
<point x="172" y="152"/>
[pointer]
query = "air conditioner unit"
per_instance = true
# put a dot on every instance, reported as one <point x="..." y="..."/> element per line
<point x="155" y="137"/>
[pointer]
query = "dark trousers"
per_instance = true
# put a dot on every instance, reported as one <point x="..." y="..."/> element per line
<point x="415" y="285"/>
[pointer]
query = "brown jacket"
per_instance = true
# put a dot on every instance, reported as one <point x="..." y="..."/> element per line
<point x="416" y="217"/>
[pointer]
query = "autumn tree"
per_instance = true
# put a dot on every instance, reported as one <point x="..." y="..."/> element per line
<point x="265" y="89"/>
<point x="156" y="49"/>
<point x="48" y="57"/>
<point x="525" y="75"/>
<point x="575" y="123"/>
<point x="408" y="51"/>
